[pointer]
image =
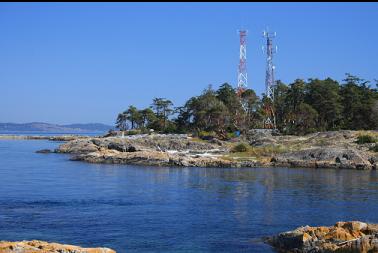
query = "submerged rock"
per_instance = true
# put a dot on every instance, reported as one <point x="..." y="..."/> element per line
<point x="343" y="237"/>
<point x="44" y="151"/>
<point x="46" y="247"/>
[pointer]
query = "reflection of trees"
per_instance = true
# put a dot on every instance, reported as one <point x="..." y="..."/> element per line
<point x="247" y="202"/>
<point x="290" y="194"/>
<point x="268" y="196"/>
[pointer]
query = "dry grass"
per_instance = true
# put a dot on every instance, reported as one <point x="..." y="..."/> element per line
<point x="257" y="153"/>
<point x="373" y="134"/>
<point x="323" y="142"/>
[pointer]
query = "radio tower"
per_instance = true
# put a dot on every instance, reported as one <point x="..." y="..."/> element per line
<point x="270" y="120"/>
<point x="242" y="71"/>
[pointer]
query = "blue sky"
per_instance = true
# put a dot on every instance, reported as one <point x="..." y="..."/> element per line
<point x="85" y="62"/>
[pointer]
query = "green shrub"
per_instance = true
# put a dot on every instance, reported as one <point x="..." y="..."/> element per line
<point x="170" y="128"/>
<point x="206" y="135"/>
<point x="133" y="132"/>
<point x="365" y="139"/>
<point x="374" y="148"/>
<point x="230" y="135"/>
<point x="241" y="147"/>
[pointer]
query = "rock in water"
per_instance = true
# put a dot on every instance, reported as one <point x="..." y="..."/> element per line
<point x="343" y="237"/>
<point x="46" y="247"/>
<point x="44" y="151"/>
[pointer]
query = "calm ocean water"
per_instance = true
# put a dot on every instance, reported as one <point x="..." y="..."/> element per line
<point x="149" y="209"/>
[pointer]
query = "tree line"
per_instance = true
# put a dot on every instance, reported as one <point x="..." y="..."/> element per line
<point x="300" y="107"/>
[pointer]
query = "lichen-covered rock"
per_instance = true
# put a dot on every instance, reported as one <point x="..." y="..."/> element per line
<point x="78" y="146"/>
<point x="157" y="143"/>
<point x="343" y="237"/>
<point x="261" y="137"/>
<point x="334" y="149"/>
<point x="147" y="150"/>
<point x="153" y="158"/>
<point x="46" y="247"/>
<point x="328" y="157"/>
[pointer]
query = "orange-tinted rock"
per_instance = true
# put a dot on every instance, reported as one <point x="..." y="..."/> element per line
<point x="355" y="226"/>
<point x="338" y="234"/>
<point x="36" y="246"/>
<point x="343" y="237"/>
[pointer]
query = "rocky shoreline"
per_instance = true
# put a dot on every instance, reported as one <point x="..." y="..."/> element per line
<point x="336" y="149"/>
<point x="343" y="237"/>
<point x="36" y="246"/>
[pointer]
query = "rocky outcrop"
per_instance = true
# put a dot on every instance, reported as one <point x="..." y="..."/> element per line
<point x="78" y="146"/>
<point x="327" y="157"/>
<point x="44" y="151"/>
<point x="261" y="137"/>
<point x="45" y="247"/>
<point x="143" y="143"/>
<point x="343" y="237"/>
<point x="334" y="149"/>
<point x="159" y="158"/>
<point x="169" y="150"/>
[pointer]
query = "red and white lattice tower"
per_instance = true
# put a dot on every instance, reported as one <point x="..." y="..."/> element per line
<point x="242" y="70"/>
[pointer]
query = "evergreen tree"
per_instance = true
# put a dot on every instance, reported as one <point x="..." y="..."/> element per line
<point x="323" y="96"/>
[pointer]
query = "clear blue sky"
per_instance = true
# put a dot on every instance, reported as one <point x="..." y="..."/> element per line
<point x="85" y="62"/>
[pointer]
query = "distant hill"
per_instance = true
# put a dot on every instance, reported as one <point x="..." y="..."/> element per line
<point x="54" y="128"/>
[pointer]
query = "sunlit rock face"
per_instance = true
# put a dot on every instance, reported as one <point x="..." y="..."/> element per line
<point x="46" y="247"/>
<point x="344" y="237"/>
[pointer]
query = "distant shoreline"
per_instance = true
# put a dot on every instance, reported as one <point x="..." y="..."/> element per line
<point x="63" y="137"/>
<point x="48" y="128"/>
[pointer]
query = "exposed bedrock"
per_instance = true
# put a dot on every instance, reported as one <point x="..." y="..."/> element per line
<point x="343" y="237"/>
<point x="336" y="149"/>
<point x="327" y="157"/>
<point x="36" y="246"/>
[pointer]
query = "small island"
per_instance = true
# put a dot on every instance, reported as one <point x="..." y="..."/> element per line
<point x="316" y="125"/>
<point x="260" y="148"/>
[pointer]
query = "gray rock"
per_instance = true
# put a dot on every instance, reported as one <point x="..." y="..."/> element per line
<point x="328" y="157"/>
<point x="44" y="151"/>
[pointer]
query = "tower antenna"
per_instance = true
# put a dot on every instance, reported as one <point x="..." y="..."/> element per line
<point x="242" y="70"/>
<point x="270" y="120"/>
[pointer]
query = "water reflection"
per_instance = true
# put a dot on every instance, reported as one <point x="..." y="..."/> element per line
<point x="149" y="209"/>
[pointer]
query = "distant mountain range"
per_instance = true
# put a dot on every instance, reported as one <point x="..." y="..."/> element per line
<point x="54" y="128"/>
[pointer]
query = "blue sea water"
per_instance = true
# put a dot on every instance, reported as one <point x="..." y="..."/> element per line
<point x="151" y="209"/>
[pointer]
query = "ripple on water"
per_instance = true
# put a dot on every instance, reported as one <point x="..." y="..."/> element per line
<point x="149" y="209"/>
